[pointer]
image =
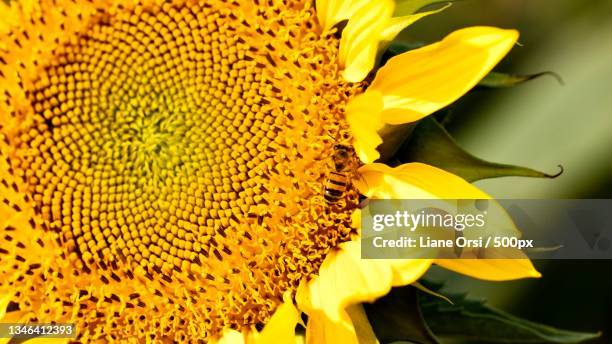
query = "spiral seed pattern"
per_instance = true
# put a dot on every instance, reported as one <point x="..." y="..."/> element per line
<point x="177" y="154"/>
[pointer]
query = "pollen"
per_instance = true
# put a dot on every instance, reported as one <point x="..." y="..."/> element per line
<point x="164" y="166"/>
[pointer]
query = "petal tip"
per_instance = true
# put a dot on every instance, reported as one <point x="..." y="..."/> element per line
<point x="536" y="274"/>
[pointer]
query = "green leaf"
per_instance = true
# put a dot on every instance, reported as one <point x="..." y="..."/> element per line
<point x="476" y="322"/>
<point x="431" y="144"/>
<point x="397" y="317"/>
<point x="503" y="80"/>
<point x="406" y="7"/>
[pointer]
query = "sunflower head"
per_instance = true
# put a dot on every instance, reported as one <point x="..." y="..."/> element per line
<point x="177" y="170"/>
<point x="175" y="157"/>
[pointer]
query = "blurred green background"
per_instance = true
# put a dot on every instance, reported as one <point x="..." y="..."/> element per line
<point x="542" y="124"/>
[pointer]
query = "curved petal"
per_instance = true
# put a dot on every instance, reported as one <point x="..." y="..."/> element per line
<point x="492" y="269"/>
<point x="420" y="181"/>
<point x="281" y="326"/>
<point x="331" y="12"/>
<point x="361" y="37"/>
<point x="231" y="337"/>
<point x="353" y="328"/>
<point x="361" y="116"/>
<point x="345" y="280"/>
<point x="414" y="181"/>
<point x="279" y="329"/>
<point x="396" y="24"/>
<point x="321" y="329"/>
<point x="370" y="28"/>
<point x="4" y="301"/>
<point x="370" y="23"/>
<point x="361" y="323"/>
<point x="422" y="81"/>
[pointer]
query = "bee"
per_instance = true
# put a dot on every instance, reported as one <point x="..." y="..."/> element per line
<point x="337" y="180"/>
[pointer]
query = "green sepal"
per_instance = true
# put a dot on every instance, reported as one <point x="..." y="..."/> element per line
<point x="503" y="80"/>
<point x="473" y="321"/>
<point x="407" y="7"/>
<point x="393" y="137"/>
<point x="399" y="47"/>
<point x="431" y="144"/>
<point x="397" y="317"/>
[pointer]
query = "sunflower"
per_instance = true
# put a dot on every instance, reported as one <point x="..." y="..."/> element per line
<point x="164" y="165"/>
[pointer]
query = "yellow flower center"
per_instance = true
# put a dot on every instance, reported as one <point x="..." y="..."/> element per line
<point x="182" y="153"/>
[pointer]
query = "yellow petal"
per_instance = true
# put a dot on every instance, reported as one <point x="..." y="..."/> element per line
<point x="352" y="328"/>
<point x="231" y="337"/>
<point x="18" y="317"/>
<point x="395" y="25"/>
<point x="331" y="12"/>
<point x="422" y="81"/>
<point x="363" y="117"/>
<point x="4" y="301"/>
<point x="360" y="39"/>
<point x="279" y="329"/>
<point x="370" y="28"/>
<point x="363" y="328"/>
<point x="492" y="269"/>
<point x="345" y="279"/>
<point x="321" y="329"/>
<point x="420" y="181"/>
<point x="281" y="326"/>
<point x="370" y="23"/>
<point x="414" y="181"/>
